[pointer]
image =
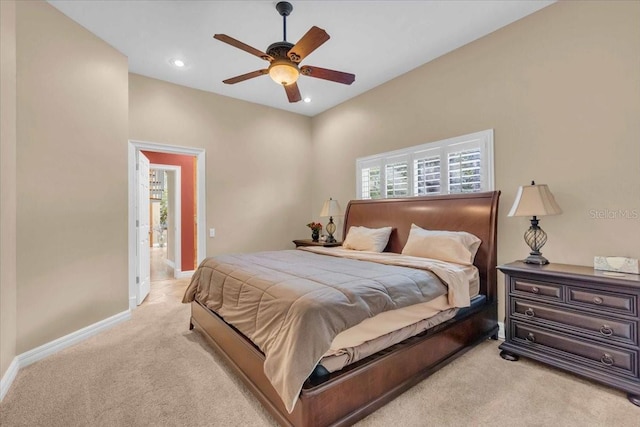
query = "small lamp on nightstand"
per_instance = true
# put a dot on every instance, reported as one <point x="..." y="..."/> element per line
<point x="331" y="208"/>
<point x="534" y="201"/>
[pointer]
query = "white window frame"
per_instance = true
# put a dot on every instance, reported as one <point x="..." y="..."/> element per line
<point x="482" y="140"/>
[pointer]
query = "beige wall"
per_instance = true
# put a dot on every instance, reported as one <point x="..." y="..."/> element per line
<point x="7" y="184"/>
<point x="561" y="89"/>
<point x="72" y="113"/>
<point x="257" y="160"/>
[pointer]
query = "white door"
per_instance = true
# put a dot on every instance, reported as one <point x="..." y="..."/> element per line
<point x="143" y="274"/>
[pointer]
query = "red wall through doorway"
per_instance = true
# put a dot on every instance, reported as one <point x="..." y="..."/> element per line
<point x="188" y="202"/>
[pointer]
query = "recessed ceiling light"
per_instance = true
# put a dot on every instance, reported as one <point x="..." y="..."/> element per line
<point x="307" y="100"/>
<point x="178" y="63"/>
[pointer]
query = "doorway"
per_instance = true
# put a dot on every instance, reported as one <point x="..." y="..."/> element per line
<point x="165" y="219"/>
<point x="183" y="267"/>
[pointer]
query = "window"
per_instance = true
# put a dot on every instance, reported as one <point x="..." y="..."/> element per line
<point x="457" y="165"/>
<point x="370" y="181"/>
<point x="426" y="175"/>
<point x="396" y="174"/>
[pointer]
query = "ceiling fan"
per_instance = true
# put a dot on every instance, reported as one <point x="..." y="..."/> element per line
<point x="284" y="58"/>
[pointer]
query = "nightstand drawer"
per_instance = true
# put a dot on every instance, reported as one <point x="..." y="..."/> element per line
<point x="617" y="303"/>
<point x="604" y="357"/>
<point x="535" y="288"/>
<point x="602" y="327"/>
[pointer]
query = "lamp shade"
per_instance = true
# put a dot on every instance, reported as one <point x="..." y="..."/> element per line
<point x="331" y="208"/>
<point x="283" y="72"/>
<point x="534" y="200"/>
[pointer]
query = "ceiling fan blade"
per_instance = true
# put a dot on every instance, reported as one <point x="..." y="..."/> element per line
<point x="331" y="75"/>
<point x="313" y="39"/>
<point x="243" y="77"/>
<point x="293" y="93"/>
<point x="236" y="43"/>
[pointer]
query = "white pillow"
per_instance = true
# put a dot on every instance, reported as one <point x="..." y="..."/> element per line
<point x="367" y="239"/>
<point x="452" y="246"/>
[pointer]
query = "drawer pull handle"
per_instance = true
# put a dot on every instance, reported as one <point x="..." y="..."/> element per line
<point x="607" y="359"/>
<point x="597" y="300"/>
<point x="606" y="330"/>
<point x="529" y="312"/>
<point x="532" y="338"/>
<point x="535" y="289"/>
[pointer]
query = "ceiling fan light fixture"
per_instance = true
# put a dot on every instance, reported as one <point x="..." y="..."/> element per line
<point x="284" y="58"/>
<point x="283" y="72"/>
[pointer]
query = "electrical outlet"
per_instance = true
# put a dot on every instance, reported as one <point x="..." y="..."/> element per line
<point x="212" y="232"/>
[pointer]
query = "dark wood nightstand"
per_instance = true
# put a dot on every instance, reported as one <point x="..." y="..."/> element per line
<point x="309" y="242"/>
<point x="575" y="318"/>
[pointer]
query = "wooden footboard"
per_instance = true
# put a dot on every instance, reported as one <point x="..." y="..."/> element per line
<point x="356" y="391"/>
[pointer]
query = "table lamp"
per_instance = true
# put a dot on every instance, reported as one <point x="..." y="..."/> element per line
<point x="535" y="200"/>
<point x="331" y="208"/>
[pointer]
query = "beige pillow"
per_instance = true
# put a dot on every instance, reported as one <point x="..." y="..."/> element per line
<point x="367" y="239"/>
<point x="452" y="246"/>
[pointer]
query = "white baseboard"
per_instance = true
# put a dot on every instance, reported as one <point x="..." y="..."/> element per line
<point x="39" y="353"/>
<point x="184" y="274"/>
<point x="55" y="346"/>
<point x="501" y="331"/>
<point x="170" y="263"/>
<point x="8" y="377"/>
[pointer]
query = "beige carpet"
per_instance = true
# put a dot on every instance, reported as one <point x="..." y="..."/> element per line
<point x="153" y="371"/>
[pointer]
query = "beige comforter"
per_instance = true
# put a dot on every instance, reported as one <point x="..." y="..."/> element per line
<point x="292" y="304"/>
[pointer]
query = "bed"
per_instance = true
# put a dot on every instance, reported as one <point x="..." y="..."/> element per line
<point x="348" y="394"/>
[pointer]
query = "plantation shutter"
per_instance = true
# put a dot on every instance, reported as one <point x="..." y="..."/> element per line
<point x="370" y="177"/>
<point x="397" y="177"/>
<point x="463" y="164"/>
<point x="465" y="171"/>
<point x="426" y="173"/>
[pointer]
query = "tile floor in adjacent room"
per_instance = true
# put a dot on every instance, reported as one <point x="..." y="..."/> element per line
<point x="163" y="285"/>
<point x="160" y="270"/>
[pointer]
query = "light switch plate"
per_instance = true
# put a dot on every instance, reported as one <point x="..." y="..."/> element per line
<point x="212" y="232"/>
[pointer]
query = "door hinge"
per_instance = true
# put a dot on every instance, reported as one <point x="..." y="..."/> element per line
<point x="137" y="166"/>
<point x="137" y="280"/>
<point x="137" y="223"/>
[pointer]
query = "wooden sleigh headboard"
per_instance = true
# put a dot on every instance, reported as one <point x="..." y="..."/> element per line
<point x="476" y="213"/>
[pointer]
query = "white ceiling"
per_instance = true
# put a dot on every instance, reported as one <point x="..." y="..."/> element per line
<point x="375" y="40"/>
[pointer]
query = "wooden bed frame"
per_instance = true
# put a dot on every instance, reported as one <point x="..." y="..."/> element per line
<point x="348" y="395"/>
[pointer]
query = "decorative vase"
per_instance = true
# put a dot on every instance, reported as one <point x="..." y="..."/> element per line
<point x="315" y="235"/>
